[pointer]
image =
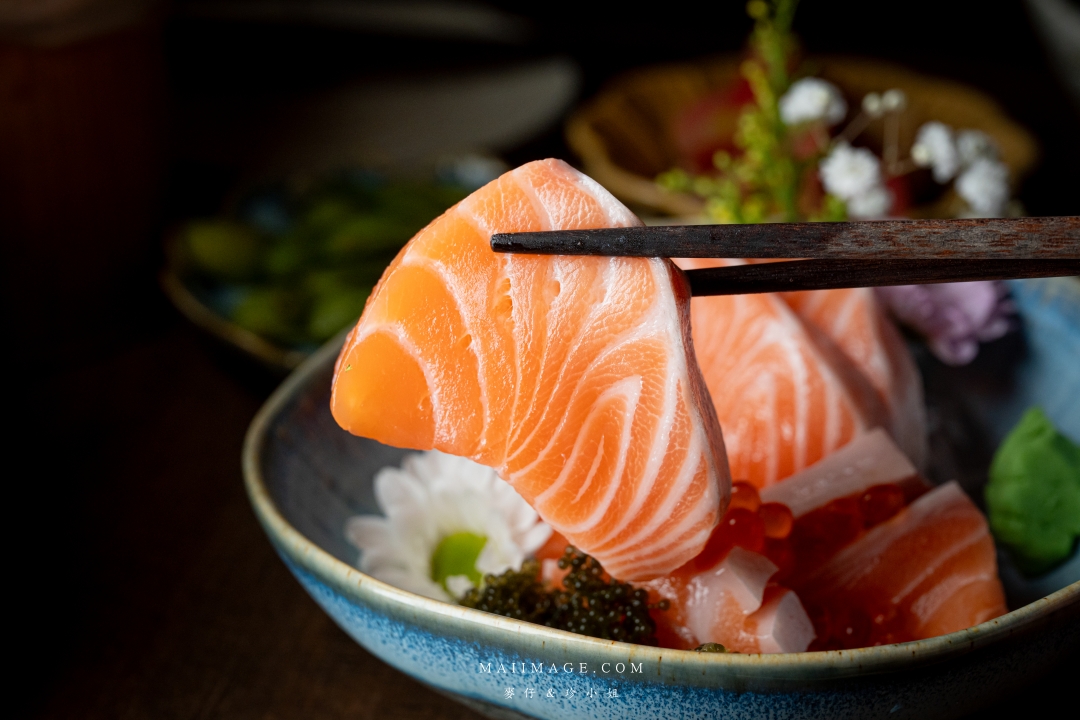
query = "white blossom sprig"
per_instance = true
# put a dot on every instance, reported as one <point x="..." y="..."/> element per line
<point x="812" y="100"/>
<point x="975" y="145"/>
<point x="970" y="157"/>
<point x="985" y="187"/>
<point x="935" y="148"/>
<point x="854" y="175"/>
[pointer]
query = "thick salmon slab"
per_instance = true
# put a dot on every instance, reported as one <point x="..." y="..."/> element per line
<point x="574" y="377"/>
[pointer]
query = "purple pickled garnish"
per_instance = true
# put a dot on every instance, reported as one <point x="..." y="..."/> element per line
<point x="953" y="317"/>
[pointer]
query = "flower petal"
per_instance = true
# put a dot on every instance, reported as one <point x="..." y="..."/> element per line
<point x="498" y="557"/>
<point x="368" y="531"/>
<point x="535" y="538"/>
<point x="458" y="585"/>
<point x="397" y="491"/>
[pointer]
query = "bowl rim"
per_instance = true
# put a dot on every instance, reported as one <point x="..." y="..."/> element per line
<point x="367" y="590"/>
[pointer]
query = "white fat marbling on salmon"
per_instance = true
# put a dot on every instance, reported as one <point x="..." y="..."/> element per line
<point x="653" y="563"/>
<point x="782" y="399"/>
<point x="597" y="311"/>
<point x="628" y="391"/>
<point x="654" y="325"/>
<point x="870" y="459"/>
<point x="620" y="215"/>
<point x="854" y="320"/>
<point x="928" y="604"/>
<point x="464" y="298"/>
<point x="661" y="321"/>
<point x="652" y="469"/>
<point x="947" y="585"/>
<point x="586" y="397"/>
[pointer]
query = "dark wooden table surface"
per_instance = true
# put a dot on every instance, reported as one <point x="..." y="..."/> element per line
<point x="170" y="602"/>
<point x="160" y="597"/>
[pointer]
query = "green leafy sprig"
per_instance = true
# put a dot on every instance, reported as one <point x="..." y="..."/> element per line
<point x="761" y="182"/>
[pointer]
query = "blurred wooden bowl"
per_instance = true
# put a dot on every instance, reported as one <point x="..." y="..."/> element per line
<point x="624" y="136"/>
<point x="174" y="279"/>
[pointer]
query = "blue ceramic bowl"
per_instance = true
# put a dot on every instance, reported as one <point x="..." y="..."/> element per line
<point x="305" y="477"/>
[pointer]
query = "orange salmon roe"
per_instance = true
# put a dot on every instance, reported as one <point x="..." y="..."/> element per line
<point x="739" y="527"/>
<point x="777" y="519"/>
<point x="781" y="555"/>
<point x="879" y="503"/>
<point x="798" y="547"/>
<point x="820" y="533"/>
<point x="753" y="525"/>
<point x="744" y="495"/>
<point x="840" y="627"/>
<point x="817" y="535"/>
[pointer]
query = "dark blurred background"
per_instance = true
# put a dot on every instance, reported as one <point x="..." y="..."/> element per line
<point x="140" y="582"/>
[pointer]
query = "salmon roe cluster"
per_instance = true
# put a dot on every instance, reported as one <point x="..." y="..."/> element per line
<point x="818" y="534"/>
<point x="845" y="627"/>
<point x="799" y="546"/>
<point x="752" y="525"/>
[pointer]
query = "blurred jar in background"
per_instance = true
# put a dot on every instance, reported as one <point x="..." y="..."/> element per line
<point x="81" y="120"/>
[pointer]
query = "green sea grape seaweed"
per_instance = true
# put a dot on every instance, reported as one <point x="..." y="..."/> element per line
<point x="588" y="603"/>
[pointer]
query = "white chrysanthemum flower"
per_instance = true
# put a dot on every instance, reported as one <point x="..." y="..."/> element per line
<point x="810" y="100"/>
<point x="975" y="145"/>
<point x="935" y="148"/>
<point x="848" y="172"/>
<point x="448" y="521"/>
<point x="985" y="187"/>
<point x="870" y="205"/>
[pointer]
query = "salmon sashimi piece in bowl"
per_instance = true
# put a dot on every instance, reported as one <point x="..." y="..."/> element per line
<point x="580" y="382"/>
<point x="930" y="570"/>
<point x="795" y="376"/>
<point x="854" y="320"/>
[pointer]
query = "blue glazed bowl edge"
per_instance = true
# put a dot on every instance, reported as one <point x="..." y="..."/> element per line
<point x="754" y="672"/>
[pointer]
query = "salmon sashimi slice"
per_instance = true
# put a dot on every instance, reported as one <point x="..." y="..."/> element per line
<point x="733" y="604"/>
<point x="928" y="571"/>
<point x="781" y="624"/>
<point x="718" y="599"/>
<point x="854" y="320"/>
<point x="573" y="377"/>
<point x="870" y="459"/>
<point x="837" y="500"/>
<point x="785" y="397"/>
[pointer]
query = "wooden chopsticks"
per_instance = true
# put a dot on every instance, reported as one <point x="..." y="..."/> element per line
<point x="836" y="255"/>
<point x="989" y="238"/>
<point x="827" y="274"/>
